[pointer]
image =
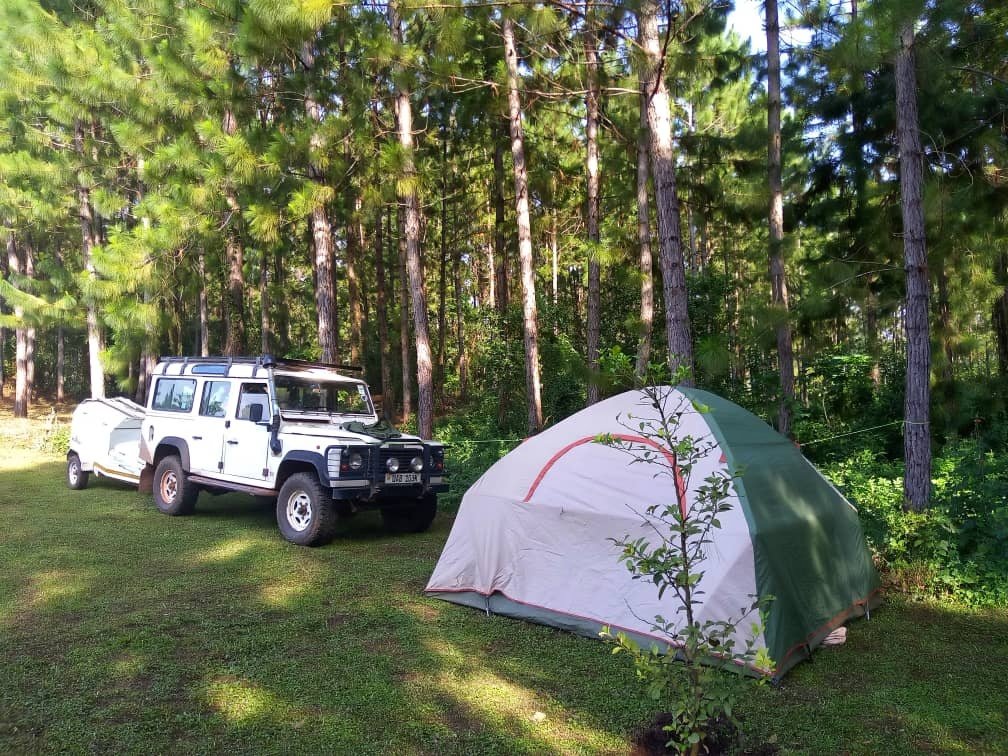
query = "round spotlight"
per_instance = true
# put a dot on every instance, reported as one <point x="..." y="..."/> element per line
<point x="416" y="464"/>
<point x="356" y="461"/>
<point x="392" y="465"/>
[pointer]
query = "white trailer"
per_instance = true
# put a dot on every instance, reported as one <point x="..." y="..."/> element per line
<point x="105" y="440"/>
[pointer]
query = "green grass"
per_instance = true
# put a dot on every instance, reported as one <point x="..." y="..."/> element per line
<point x="122" y="630"/>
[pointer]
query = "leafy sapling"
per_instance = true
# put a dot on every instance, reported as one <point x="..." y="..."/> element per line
<point x="700" y="672"/>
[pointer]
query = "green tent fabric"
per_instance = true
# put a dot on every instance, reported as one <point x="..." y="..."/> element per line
<point x="807" y="539"/>
<point x="534" y="535"/>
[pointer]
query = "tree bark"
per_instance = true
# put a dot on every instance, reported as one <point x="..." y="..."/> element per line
<point x="95" y="337"/>
<point x="592" y="325"/>
<point x="916" y="431"/>
<point x="382" y="314"/>
<point x="499" y="272"/>
<point x="355" y="246"/>
<point x="234" y="310"/>
<point x="530" y="318"/>
<point x="265" y="329"/>
<point x="204" y="306"/>
<point x="644" y="240"/>
<point x="15" y="268"/>
<point x="321" y="230"/>
<point x="404" y="323"/>
<point x="411" y="226"/>
<point x="670" y="253"/>
<point x="778" y="279"/>
<point x="281" y="326"/>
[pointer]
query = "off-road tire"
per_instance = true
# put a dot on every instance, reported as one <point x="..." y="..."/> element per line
<point x="410" y="515"/>
<point x="77" y="479"/>
<point x="304" y="511"/>
<point x="173" y="493"/>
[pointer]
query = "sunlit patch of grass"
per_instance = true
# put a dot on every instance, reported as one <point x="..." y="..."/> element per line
<point x="240" y="701"/>
<point x="227" y="550"/>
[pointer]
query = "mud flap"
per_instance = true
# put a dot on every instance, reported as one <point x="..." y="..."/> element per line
<point x="146" y="484"/>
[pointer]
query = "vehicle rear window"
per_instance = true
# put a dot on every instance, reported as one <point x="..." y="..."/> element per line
<point x="174" y="394"/>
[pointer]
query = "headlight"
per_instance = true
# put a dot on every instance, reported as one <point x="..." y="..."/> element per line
<point x="356" y="461"/>
<point x="392" y="465"/>
<point x="416" y="464"/>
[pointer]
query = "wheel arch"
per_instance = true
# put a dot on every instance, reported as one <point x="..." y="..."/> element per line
<point x="172" y="445"/>
<point x="302" y="461"/>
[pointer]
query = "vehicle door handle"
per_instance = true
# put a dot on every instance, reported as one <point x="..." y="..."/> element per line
<point x="197" y="438"/>
<point x="232" y="440"/>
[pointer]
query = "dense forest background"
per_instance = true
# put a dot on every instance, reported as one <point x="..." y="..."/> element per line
<point x="503" y="211"/>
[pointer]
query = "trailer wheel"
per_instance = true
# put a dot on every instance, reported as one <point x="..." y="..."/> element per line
<point x="77" y="478"/>
<point x="173" y="493"/>
<point x="410" y="516"/>
<point x="304" y="511"/>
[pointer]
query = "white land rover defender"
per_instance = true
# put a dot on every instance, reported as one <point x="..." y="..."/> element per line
<point x="298" y="432"/>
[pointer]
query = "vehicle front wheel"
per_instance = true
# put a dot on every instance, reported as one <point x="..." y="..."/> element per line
<point x="304" y="511"/>
<point x="173" y="493"/>
<point x="77" y="478"/>
<point x="410" y="516"/>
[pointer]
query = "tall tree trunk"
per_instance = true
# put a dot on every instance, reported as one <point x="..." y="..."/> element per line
<point x="382" y="315"/>
<point x="265" y="329"/>
<point x="281" y="326"/>
<point x="15" y="267"/>
<point x="670" y="253"/>
<point x="999" y="316"/>
<point x="411" y="226"/>
<point x="3" y="331"/>
<point x="404" y="348"/>
<point x="60" y="365"/>
<point x="29" y="271"/>
<point x="945" y="323"/>
<point x="916" y="430"/>
<point x="95" y="337"/>
<point x="592" y="325"/>
<point x="778" y="280"/>
<point x="234" y="252"/>
<point x="530" y="317"/>
<point x="499" y="272"/>
<point x="443" y="267"/>
<point x="355" y="246"/>
<point x="644" y="240"/>
<point x="204" y="306"/>
<point x="463" y="358"/>
<point x="321" y="230"/>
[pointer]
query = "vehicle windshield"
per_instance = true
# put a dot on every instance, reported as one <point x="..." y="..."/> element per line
<point x="309" y="396"/>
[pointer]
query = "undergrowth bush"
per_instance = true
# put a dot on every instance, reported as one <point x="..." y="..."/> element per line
<point x="958" y="547"/>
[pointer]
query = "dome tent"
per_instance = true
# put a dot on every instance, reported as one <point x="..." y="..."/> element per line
<point x="533" y="536"/>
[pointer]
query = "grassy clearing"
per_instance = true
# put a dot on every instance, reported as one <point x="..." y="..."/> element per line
<point x="122" y="630"/>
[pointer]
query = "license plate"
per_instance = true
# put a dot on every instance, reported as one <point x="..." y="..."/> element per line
<point x="400" y="478"/>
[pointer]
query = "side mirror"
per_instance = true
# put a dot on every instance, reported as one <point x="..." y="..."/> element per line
<point x="255" y="413"/>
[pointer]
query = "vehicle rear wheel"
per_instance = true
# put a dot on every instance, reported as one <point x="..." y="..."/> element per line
<point x="410" y="515"/>
<point x="304" y="511"/>
<point x="173" y="493"/>
<point x="77" y="478"/>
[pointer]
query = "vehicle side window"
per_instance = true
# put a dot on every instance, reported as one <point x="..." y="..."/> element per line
<point x="253" y="402"/>
<point x="215" y="396"/>
<point x="174" y="394"/>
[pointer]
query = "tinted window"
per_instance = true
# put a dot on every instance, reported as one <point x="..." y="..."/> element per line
<point x="215" y="396"/>
<point x="174" y="394"/>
